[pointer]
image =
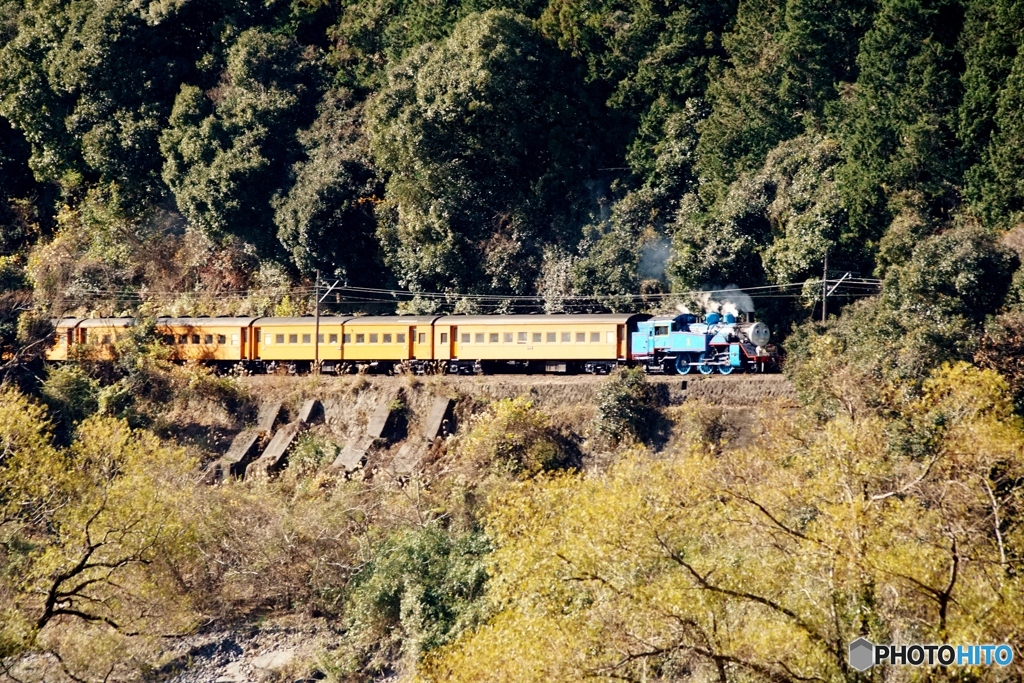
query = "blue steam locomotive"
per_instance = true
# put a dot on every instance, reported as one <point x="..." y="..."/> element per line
<point x="684" y="343"/>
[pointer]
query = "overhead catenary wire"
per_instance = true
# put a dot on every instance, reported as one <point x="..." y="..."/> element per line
<point x="377" y="295"/>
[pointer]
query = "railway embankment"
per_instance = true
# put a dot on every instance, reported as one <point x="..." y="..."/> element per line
<point x="389" y="423"/>
<point x="732" y="390"/>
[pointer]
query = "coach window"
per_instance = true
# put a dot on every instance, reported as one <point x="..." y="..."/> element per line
<point x="552" y="337"/>
<point x="332" y="339"/>
<point x="444" y="337"/>
<point x="207" y="338"/>
<point x="581" y="337"/>
<point x="195" y="338"/>
<point x="293" y="339"/>
<point x="494" y="337"/>
<point x="536" y="336"/>
<point x="183" y="339"/>
<point x="266" y="340"/>
<point x="522" y="338"/>
<point x="105" y="339"/>
<point x="387" y="338"/>
<point x="421" y="338"/>
<point x="566" y="337"/>
<point x="307" y="339"/>
<point x="221" y="339"/>
<point x="400" y="337"/>
<point x="360" y="338"/>
<point x="479" y="338"/>
<point x="167" y="338"/>
<point x="279" y="339"/>
<point x="234" y="340"/>
<point x="319" y="339"/>
<point x="595" y="337"/>
<point x="508" y="337"/>
<point x="346" y="338"/>
<point x="374" y="337"/>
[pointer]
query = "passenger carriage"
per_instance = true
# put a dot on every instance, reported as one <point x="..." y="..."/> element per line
<point x="64" y="331"/>
<point x="593" y="343"/>
<point x="289" y="342"/>
<point x="224" y="341"/>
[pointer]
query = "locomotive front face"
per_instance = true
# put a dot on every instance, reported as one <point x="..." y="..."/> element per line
<point x="759" y="334"/>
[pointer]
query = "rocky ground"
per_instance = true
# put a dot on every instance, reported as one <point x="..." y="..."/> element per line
<point x="271" y="652"/>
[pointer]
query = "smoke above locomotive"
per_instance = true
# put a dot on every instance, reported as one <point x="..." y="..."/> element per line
<point x="728" y="300"/>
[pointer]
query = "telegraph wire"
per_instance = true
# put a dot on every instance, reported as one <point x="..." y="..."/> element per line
<point x="370" y="294"/>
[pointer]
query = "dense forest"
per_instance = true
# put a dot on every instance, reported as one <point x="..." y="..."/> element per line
<point x="568" y="148"/>
<point x="187" y="157"/>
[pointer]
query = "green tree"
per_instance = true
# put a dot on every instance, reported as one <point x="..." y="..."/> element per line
<point x="785" y="61"/>
<point x="420" y="590"/>
<point x="628" y="408"/>
<point x="228" y="151"/>
<point x="326" y="219"/>
<point x="988" y="122"/>
<point x="898" y="120"/>
<point x="774" y="225"/>
<point x="931" y="309"/>
<point x="370" y="36"/>
<point x="92" y="84"/>
<point x="20" y="195"/>
<point x="655" y="61"/>
<point x="484" y="139"/>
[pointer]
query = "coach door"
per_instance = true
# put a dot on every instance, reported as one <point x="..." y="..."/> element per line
<point x="420" y="339"/>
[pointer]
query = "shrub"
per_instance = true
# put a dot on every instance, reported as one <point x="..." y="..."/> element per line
<point x="70" y="393"/>
<point x="627" y="407"/>
<point x="512" y="437"/>
<point x="310" y="453"/>
<point x="420" y="590"/>
<point x="703" y="423"/>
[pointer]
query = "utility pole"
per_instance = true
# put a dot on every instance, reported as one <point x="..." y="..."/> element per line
<point x="824" y="290"/>
<point x="316" y="334"/>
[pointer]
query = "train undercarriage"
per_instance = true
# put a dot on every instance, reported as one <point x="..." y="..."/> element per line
<point x="423" y="367"/>
<point x="713" y="360"/>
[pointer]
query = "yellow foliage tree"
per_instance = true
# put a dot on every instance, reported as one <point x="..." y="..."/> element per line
<point x="88" y="538"/>
<point x="764" y="563"/>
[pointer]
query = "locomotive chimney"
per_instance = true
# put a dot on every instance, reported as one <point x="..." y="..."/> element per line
<point x="750" y="317"/>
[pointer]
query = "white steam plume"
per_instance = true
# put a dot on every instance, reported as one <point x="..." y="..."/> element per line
<point x="735" y="297"/>
<point x="728" y="300"/>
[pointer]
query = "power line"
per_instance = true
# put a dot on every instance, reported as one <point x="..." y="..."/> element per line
<point x="354" y="296"/>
